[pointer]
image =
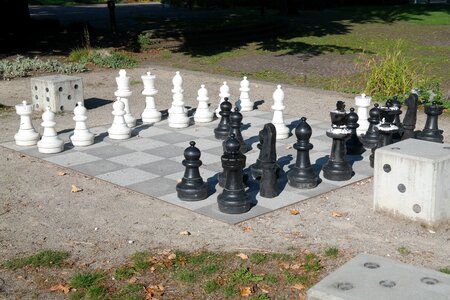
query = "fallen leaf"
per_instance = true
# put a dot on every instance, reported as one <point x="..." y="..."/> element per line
<point x="75" y="189"/>
<point x="294" y="212"/>
<point x="283" y="265"/>
<point x="132" y="279"/>
<point x="242" y="255"/>
<point x="21" y="155"/>
<point x="185" y="232"/>
<point x="172" y="256"/>
<point x="298" y="286"/>
<point x="248" y="229"/>
<point x="301" y="297"/>
<point x="336" y="214"/>
<point x="288" y="147"/>
<point x="60" y="287"/>
<point x="294" y="267"/>
<point x="245" y="291"/>
<point x="61" y="173"/>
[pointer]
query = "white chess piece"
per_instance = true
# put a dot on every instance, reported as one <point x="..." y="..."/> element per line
<point x="177" y="112"/>
<point x="27" y="135"/>
<point x="50" y="142"/>
<point x="119" y="129"/>
<point x="224" y="93"/>
<point x="124" y="92"/>
<point x="278" y="120"/>
<point x="362" y="103"/>
<point x="245" y="103"/>
<point x="202" y="113"/>
<point x="81" y="135"/>
<point x="150" y="113"/>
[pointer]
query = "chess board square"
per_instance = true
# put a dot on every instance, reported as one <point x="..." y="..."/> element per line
<point x="72" y="158"/>
<point x="154" y="131"/>
<point x="128" y="176"/>
<point x="203" y="143"/>
<point x="157" y="186"/>
<point x="205" y="173"/>
<point x="98" y="167"/>
<point x="212" y="211"/>
<point x="254" y="121"/>
<point x="191" y="205"/>
<point x="163" y="168"/>
<point x="198" y="131"/>
<point x="174" y="138"/>
<point x="169" y="151"/>
<point x="141" y="144"/>
<point x="108" y="151"/>
<point x="257" y="113"/>
<point x="135" y="159"/>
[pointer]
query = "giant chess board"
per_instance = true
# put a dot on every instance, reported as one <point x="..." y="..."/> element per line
<point x="150" y="162"/>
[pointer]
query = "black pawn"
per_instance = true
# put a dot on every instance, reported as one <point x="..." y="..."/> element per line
<point x="410" y="118"/>
<point x="431" y="132"/>
<point x="268" y="158"/>
<point x="337" y="168"/>
<point x="255" y="168"/>
<point x="396" y="106"/>
<point x="233" y="199"/>
<point x="354" y="145"/>
<point x="370" y="139"/>
<point x="302" y="175"/>
<point x="385" y="138"/>
<point x="192" y="187"/>
<point x="235" y="124"/>
<point x="222" y="131"/>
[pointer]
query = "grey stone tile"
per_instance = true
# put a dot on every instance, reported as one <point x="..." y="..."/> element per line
<point x="162" y="168"/>
<point x="154" y="131"/>
<point x="168" y="151"/>
<point x="174" y="137"/>
<point x="128" y="176"/>
<point x="135" y="159"/>
<point x="141" y="144"/>
<point x="191" y="205"/>
<point x="157" y="186"/>
<point x="72" y="159"/>
<point x="212" y="211"/>
<point x="198" y="132"/>
<point x="98" y="167"/>
<point x="108" y="151"/>
<point x="202" y="143"/>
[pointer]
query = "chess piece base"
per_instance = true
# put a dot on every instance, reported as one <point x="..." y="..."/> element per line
<point x="234" y="202"/>
<point x="26" y="138"/>
<point x="188" y="192"/>
<point x="302" y="179"/>
<point x="50" y="147"/>
<point x="337" y="171"/>
<point x="151" y="117"/>
<point x="84" y="141"/>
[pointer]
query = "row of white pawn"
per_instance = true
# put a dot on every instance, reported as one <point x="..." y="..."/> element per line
<point x="178" y="117"/>
<point x="50" y="142"/>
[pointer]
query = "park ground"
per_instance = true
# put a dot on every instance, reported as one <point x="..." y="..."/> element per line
<point x="105" y="242"/>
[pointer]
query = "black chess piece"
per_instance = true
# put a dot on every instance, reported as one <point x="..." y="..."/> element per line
<point x="354" y="145"/>
<point x="302" y="175"/>
<point x="267" y="159"/>
<point x="385" y="131"/>
<point x="255" y="168"/>
<point x="370" y="139"/>
<point x="431" y="132"/>
<point x="337" y="168"/>
<point x="222" y="131"/>
<point x="192" y="187"/>
<point x="396" y="106"/>
<point x="235" y="124"/>
<point x="233" y="199"/>
<point x="410" y="118"/>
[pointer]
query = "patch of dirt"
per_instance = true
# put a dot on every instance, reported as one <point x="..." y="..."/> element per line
<point x="326" y="65"/>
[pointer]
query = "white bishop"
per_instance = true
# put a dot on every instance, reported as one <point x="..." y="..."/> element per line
<point x="177" y="112"/>
<point x="245" y="103"/>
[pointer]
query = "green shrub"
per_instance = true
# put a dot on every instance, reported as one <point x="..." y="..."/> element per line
<point x="103" y="58"/>
<point x="144" y="40"/>
<point x="22" y="66"/>
<point x="47" y="258"/>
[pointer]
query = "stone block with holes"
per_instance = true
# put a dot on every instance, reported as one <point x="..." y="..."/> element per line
<point x="60" y="92"/>
<point x="411" y="179"/>
<point x="372" y="277"/>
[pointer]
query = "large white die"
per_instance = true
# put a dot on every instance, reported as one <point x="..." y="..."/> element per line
<point x="412" y="179"/>
<point x="60" y="92"/>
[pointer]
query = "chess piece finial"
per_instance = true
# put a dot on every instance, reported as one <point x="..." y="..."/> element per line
<point x="222" y="130"/>
<point x="202" y="113"/>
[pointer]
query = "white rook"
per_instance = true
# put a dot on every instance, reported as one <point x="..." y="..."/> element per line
<point x="26" y="136"/>
<point x="411" y="179"/>
<point x="59" y="92"/>
<point x="362" y="102"/>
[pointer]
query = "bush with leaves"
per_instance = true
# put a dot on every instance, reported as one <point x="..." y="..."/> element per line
<point x="103" y="58"/>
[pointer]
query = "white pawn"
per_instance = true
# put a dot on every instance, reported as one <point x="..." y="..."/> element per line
<point x="245" y="103"/>
<point x="224" y="93"/>
<point x="27" y="135"/>
<point x="150" y="113"/>
<point x="202" y="113"/>
<point x="124" y="92"/>
<point x="278" y="120"/>
<point x="362" y="103"/>
<point x="177" y="115"/>
<point x="119" y="129"/>
<point x="81" y="135"/>
<point x="49" y="143"/>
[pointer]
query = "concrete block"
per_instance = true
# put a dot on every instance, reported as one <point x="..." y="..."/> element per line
<point x="411" y="179"/>
<point x="60" y="92"/>
<point x="370" y="277"/>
